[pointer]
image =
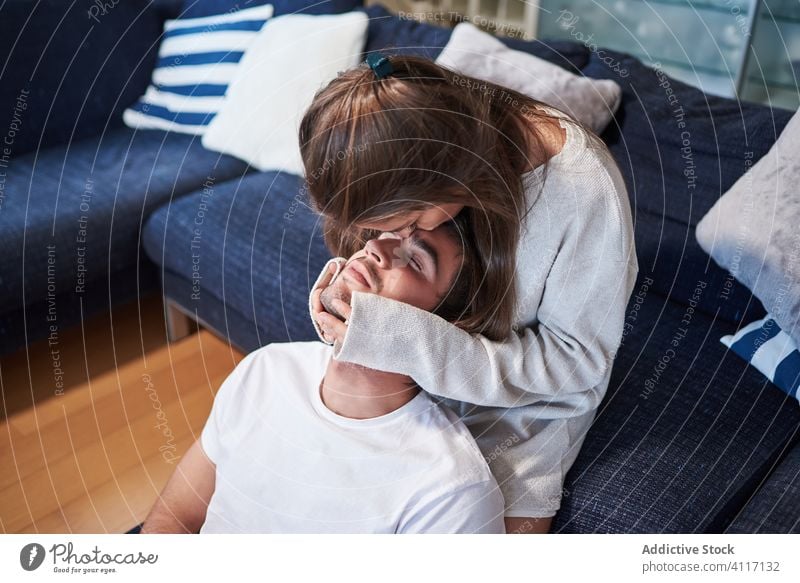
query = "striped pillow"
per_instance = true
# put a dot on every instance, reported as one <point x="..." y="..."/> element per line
<point x="771" y="350"/>
<point x="196" y="61"/>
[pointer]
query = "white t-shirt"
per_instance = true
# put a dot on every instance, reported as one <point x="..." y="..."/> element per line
<point x="285" y="463"/>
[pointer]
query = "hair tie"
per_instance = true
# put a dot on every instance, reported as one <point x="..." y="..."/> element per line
<point x="380" y="64"/>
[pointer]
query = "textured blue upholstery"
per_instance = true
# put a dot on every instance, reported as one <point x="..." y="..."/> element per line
<point x="79" y="73"/>
<point x="258" y="250"/>
<point x="115" y="182"/>
<point x="685" y="433"/>
<point x="675" y="173"/>
<point x="774" y="508"/>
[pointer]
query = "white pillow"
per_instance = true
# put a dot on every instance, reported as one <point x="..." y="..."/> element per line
<point x="753" y="230"/>
<point x="293" y="57"/>
<point x="475" y="53"/>
<point x="197" y="59"/>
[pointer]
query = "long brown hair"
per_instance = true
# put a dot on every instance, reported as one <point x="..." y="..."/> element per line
<point x="458" y="304"/>
<point x="374" y="149"/>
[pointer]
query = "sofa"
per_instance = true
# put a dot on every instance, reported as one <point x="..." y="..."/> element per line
<point x="688" y="439"/>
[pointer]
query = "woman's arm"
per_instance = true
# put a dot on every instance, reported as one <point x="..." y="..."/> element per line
<point x="569" y="351"/>
<point x="182" y="506"/>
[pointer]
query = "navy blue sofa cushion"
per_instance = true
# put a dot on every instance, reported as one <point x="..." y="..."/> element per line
<point x="680" y="150"/>
<point x="684" y="434"/>
<point x="256" y="251"/>
<point x="774" y="507"/>
<point x="399" y="35"/>
<point x="76" y="74"/>
<point x="198" y="8"/>
<point x="88" y="200"/>
<point x="388" y="32"/>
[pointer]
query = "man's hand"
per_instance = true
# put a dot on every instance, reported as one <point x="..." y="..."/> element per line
<point x="182" y="506"/>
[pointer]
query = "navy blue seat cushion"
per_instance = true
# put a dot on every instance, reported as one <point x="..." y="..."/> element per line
<point x="75" y="73"/>
<point x="680" y="150"/>
<point x="395" y="35"/>
<point x="684" y="434"/>
<point x="88" y="200"/>
<point x="248" y="247"/>
<point x="199" y="8"/>
<point x="775" y="507"/>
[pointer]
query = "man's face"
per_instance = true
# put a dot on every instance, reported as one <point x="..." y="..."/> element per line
<point x="417" y="270"/>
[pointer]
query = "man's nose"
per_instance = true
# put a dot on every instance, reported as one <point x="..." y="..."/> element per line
<point x="382" y="250"/>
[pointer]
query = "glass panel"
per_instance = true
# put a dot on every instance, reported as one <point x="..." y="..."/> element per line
<point x="701" y="41"/>
<point x="773" y="66"/>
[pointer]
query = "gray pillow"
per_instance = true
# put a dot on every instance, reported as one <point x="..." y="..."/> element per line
<point x="753" y="230"/>
<point x="475" y="53"/>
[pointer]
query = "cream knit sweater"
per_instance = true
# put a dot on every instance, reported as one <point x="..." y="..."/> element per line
<point x="530" y="399"/>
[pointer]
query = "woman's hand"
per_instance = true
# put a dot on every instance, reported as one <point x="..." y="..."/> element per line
<point x="334" y="329"/>
<point x="331" y="327"/>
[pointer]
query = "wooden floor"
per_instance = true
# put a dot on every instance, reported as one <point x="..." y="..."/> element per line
<point x="93" y="459"/>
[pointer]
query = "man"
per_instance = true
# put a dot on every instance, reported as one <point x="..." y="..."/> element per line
<point x="299" y="442"/>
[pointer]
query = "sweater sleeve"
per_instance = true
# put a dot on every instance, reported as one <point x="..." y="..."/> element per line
<point x="580" y="321"/>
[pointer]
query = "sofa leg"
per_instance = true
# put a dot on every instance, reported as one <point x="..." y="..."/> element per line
<point x="179" y="324"/>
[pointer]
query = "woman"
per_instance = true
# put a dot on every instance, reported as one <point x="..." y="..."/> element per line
<point x="405" y="144"/>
